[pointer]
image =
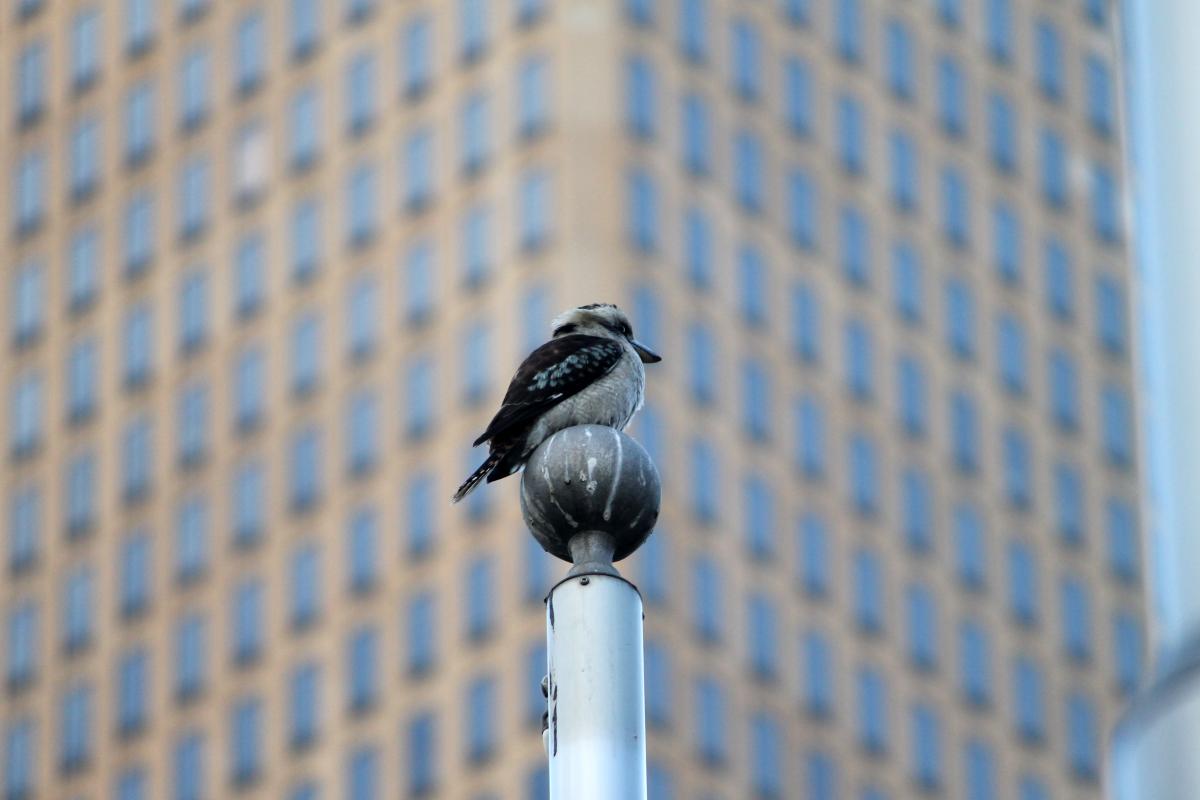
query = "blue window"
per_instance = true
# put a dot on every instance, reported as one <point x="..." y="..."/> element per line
<point x="192" y="424"/>
<point x="960" y="318"/>
<point x="964" y="432"/>
<point x="250" y="52"/>
<point x="641" y="97"/>
<point x="473" y="30"/>
<point x="820" y="673"/>
<point x="304" y="705"/>
<point x="29" y="192"/>
<point x="85" y="158"/>
<point x="1029" y="699"/>
<point x="1083" y="736"/>
<point x="22" y="644"/>
<point x="249" y="266"/>
<point x="1106" y="204"/>
<point x="362" y="551"/>
<point x="75" y="728"/>
<point x="1060" y="281"/>
<point x="418" y="281"/>
<point x="1127" y="646"/>
<point x="803" y="209"/>
<point x="305" y="585"/>
<point x="999" y="29"/>
<point x="417" y="55"/>
<point x="979" y="769"/>
<point x="476" y="245"/>
<point x="872" y="710"/>
<point x="362" y="317"/>
<point x="304" y="123"/>
<point x="362" y="668"/>
<point x="81" y="493"/>
<point x="705" y="481"/>
<point x="1011" y="350"/>
<point x="701" y="361"/>
<point x="796" y="12"/>
<point x="1048" y="58"/>
<point x="20" y="758"/>
<point x="362" y="774"/>
<point x="480" y="606"/>
<point x="83" y="269"/>
<point x="422" y="754"/>
<point x="1111" y="325"/>
<point x="643" y="211"/>
<point x="926" y="732"/>
<point x="813" y="548"/>
<point x="418" y="158"/>
<point x="696" y="135"/>
<point x="533" y="96"/>
<point x="748" y="171"/>
<point x="767" y="748"/>
<point x="1015" y="454"/>
<point x="476" y="363"/>
<point x="905" y="171"/>
<point x="956" y="207"/>
<point x="860" y="360"/>
<point x="245" y="740"/>
<point x="421" y="523"/>
<point x="535" y="203"/>
<point x="31" y="82"/>
<point x="1003" y="131"/>
<point x="805" y="328"/>
<point x="422" y="638"/>
<point x="868" y="583"/>
<point x="306" y="479"/>
<point x="901" y="62"/>
<point x="420" y="401"/>
<point x="1023" y="583"/>
<point x="640" y="12"/>
<point x="359" y="88"/>
<point x="952" y="96"/>
<point x="653" y="578"/>
<point x="362" y="433"/>
<point x="191" y="656"/>
<point x="798" y="100"/>
<point x="134" y="586"/>
<point x="847" y="25"/>
<point x="974" y="660"/>
<point x="195" y="80"/>
<point x="707" y="599"/>
<point x="248" y="503"/>
<point x="1124" y="560"/>
<point x="746" y="47"/>
<point x="757" y="409"/>
<point x="1076" y="613"/>
<point x="24" y="527"/>
<point x="762" y="636"/>
<point x="27" y="305"/>
<point x="752" y="285"/>
<point x="916" y="509"/>
<point x="474" y="132"/>
<point x="82" y="378"/>
<point x="139" y="116"/>
<point x="912" y="395"/>
<point x="480" y="721"/>
<point x="821" y="776"/>
<point x="1054" y="157"/>
<point x="810" y="437"/>
<point x="78" y="608"/>
<point x="362" y="215"/>
<point x="1099" y="92"/>
<point x="137" y="459"/>
<point x="249" y="388"/>
<point x="195" y="182"/>
<point x="1063" y="379"/>
<point x="863" y="473"/>
<point x="193" y="311"/>
<point x="710" y="721"/>
<point x="1116" y="424"/>
<point x="921" y="614"/>
<point x="246" y="620"/>
<point x="658" y="682"/>
<point x="970" y="546"/>
<point x="693" y="29"/>
<point x="188" y="762"/>
<point x="131" y="784"/>
<point x="851" y="134"/>
<point x="1069" y="502"/>
<point x="854" y="233"/>
<point x="306" y="353"/>
<point x="357" y="11"/>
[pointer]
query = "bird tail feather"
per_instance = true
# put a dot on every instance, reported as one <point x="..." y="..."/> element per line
<point x="478" y="475"/>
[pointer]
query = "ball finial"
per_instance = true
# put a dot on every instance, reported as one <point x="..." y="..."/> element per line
<point x="590" y="495"/>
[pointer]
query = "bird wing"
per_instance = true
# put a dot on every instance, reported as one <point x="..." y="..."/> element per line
<point x="558" y="369"/>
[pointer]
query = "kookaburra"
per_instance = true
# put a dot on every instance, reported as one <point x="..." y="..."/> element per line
<point x="589" y="373"/>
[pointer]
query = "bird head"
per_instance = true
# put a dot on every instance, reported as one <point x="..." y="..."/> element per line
<point x="604" y="320"/>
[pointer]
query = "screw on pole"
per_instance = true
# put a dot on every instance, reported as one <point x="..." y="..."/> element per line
<point x="590" y="495"/>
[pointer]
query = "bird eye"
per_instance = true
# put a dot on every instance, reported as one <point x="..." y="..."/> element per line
<point x="626" y="330"/>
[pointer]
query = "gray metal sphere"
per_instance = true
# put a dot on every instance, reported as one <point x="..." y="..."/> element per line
<point x="590" y="478"/>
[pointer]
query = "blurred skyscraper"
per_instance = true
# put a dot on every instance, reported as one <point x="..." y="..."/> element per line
<point x="267" y="266"/>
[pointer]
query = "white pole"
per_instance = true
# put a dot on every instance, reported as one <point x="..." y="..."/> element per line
<point x="596" y="738"/>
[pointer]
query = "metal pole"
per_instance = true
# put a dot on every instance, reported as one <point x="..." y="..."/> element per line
<point x="1154" y="746"/>
<point x="590" y="496"/>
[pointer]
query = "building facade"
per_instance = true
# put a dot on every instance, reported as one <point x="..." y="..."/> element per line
<point x="268" y="265"/>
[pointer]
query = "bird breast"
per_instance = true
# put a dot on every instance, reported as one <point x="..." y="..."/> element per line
<point x="612" y="401"/>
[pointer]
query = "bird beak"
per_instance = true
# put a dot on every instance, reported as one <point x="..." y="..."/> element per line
<point x="647" y="355"/>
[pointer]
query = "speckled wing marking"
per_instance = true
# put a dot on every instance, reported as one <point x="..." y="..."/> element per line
<point x="558" y="369"/>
